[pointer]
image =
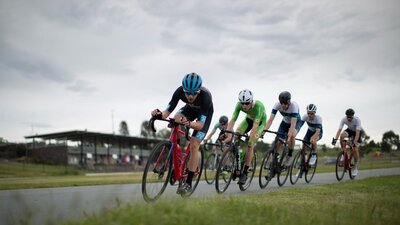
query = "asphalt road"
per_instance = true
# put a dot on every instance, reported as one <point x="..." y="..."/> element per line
<point x="52" y="205"/>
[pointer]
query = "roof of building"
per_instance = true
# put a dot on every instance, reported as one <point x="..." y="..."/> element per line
<point x="79" y="135"/>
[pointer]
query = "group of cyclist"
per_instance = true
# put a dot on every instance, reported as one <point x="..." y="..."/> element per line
<point x="198" y="112"/>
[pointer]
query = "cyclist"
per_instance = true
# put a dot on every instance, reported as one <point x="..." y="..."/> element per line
<point x="353" y="130"/>
<point x="314" y="131"/>
<point x="254" y="122"/>
<point x="222" y="137"/>
<point x="196" y="114"/>
<point x="290" y="124"/>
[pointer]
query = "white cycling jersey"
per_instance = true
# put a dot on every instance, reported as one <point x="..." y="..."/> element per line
<point x="313" y="124"/>
<point x="291" y="112"/>
<point x="354" y="125"/>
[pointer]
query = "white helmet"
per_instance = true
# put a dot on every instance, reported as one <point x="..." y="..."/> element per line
<point x="245" y="96"/>
<point x="311" y="108"/>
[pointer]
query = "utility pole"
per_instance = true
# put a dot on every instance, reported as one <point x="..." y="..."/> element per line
<point x="112" y="120"/>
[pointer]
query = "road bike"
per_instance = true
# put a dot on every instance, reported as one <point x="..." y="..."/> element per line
<point x="301" y="164"/>
<point x="232" y="164"/>
<point x="167" y="163"/>
<point x="213" y="159"/>
<point x="272" y="163"/>
<point x="345" y="160"/>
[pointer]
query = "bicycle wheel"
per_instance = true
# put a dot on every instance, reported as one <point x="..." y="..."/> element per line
<point x="157" y="172"/>
<point x="311" y="169"/>
<point x="265" y="170"/>
<point x="210" y="168"/>
<point x="197" y="173"/>
<point x="340" y="167"/>
<point x="296" y="168"/>
<point x="225" y="170"/>
<point x="284" y="170"/>
<point x="352" y="163"/>
<point x="250" y="173"/>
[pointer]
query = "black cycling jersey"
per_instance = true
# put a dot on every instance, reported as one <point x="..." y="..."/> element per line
<point x="201" y="109"/>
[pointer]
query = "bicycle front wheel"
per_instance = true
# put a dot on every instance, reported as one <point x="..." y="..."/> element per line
<point x="311" y="169"/>
<point x="210" y="168"/>
<point x="265" y="170"/>
<point x="296" y="168"/>
<point x="340" y="167"/>
<point x="251" y="171"/>
<point x="225" y="170"/>
<point x="157" y="172"/>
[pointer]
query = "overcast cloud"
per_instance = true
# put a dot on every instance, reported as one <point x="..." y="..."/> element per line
<point x="67" y="65"/>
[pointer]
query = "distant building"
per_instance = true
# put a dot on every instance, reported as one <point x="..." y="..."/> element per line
<point x="90" y="149"/>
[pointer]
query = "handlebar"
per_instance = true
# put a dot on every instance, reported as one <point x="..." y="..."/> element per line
<point x="246" y="136"/>
<point x="171" y="123"/>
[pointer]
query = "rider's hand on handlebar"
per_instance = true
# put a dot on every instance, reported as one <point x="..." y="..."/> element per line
<point x="156" y="114"/>
<point x="334" y="141"/>
<point x="185" y="121"/>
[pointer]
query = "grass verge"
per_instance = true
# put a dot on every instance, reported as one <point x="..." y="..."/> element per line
<point x="372" y="201"/>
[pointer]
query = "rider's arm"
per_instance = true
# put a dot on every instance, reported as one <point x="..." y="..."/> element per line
<point x="269" y="122"/>
<point x="210" y="135"/>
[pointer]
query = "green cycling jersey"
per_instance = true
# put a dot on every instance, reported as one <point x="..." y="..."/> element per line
<point x="256" y="115"/>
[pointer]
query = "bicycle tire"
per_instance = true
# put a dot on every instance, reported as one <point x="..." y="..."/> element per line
<point x="225" y="170"/>
<point x="283" y="173"/>
<point x="340" y="166"/>
<point x="296" y="168"/>
<point x="263" y="178"/>
<point x="197" y="174"/>
<point x="158" y="177"/>
<point x="311" y="169"/>
<point x="252" y="169"/>
<point x="352" y="162"/>
<point x="210" y="168"/>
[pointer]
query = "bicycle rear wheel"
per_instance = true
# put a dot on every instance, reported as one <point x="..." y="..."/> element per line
<point x="311" y="169"/>
<point x="340" y="167"/>
<point x="251" y="172"/>
<point x="197" y="172"/>
<point x="296" y="168"/>
<point x="210" y="168"/>
<point x="225" y="170"/>
<point x="352" y="163"/>
<point x="157" y="172"/>
<point x="265" y="170"/>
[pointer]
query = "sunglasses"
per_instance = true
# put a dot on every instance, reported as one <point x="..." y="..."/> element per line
<point x="349" y="117"/>
<point x="245" y="103"/>
<point x="311" y="113"/>
<point x="223" y="124"/>
<point x="192" y="93"/>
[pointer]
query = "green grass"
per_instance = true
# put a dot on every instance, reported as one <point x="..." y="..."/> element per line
<point x="372" y="201"/>
<point x="14" y="169"/>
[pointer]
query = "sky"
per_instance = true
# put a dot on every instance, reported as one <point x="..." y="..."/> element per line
<point x="75" y="65"/>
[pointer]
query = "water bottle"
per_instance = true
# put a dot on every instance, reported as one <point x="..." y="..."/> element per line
<point x="241" y="155"/>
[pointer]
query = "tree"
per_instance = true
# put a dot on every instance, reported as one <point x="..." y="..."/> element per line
<point x="145" y="130"/>
<point x="164" y="133"/>
<point x="390" y="141"/>
<point x="123" y="128"/>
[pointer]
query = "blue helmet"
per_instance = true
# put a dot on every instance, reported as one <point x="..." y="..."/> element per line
<point x="191" y="83"/>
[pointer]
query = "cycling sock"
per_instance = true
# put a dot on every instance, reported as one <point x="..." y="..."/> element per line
<point x="290" y="152"/>
<point x="245" y="169"/>
<point x="189" y="177"/>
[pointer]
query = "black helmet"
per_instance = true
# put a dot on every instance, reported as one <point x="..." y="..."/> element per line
<point x="350" y="112"/>
<point x="284" y="97"/>
<point x="223" y="120"/>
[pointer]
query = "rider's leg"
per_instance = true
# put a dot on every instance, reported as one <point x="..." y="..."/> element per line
<point x="194" y="159"/>
<point x="343" y="135"/>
